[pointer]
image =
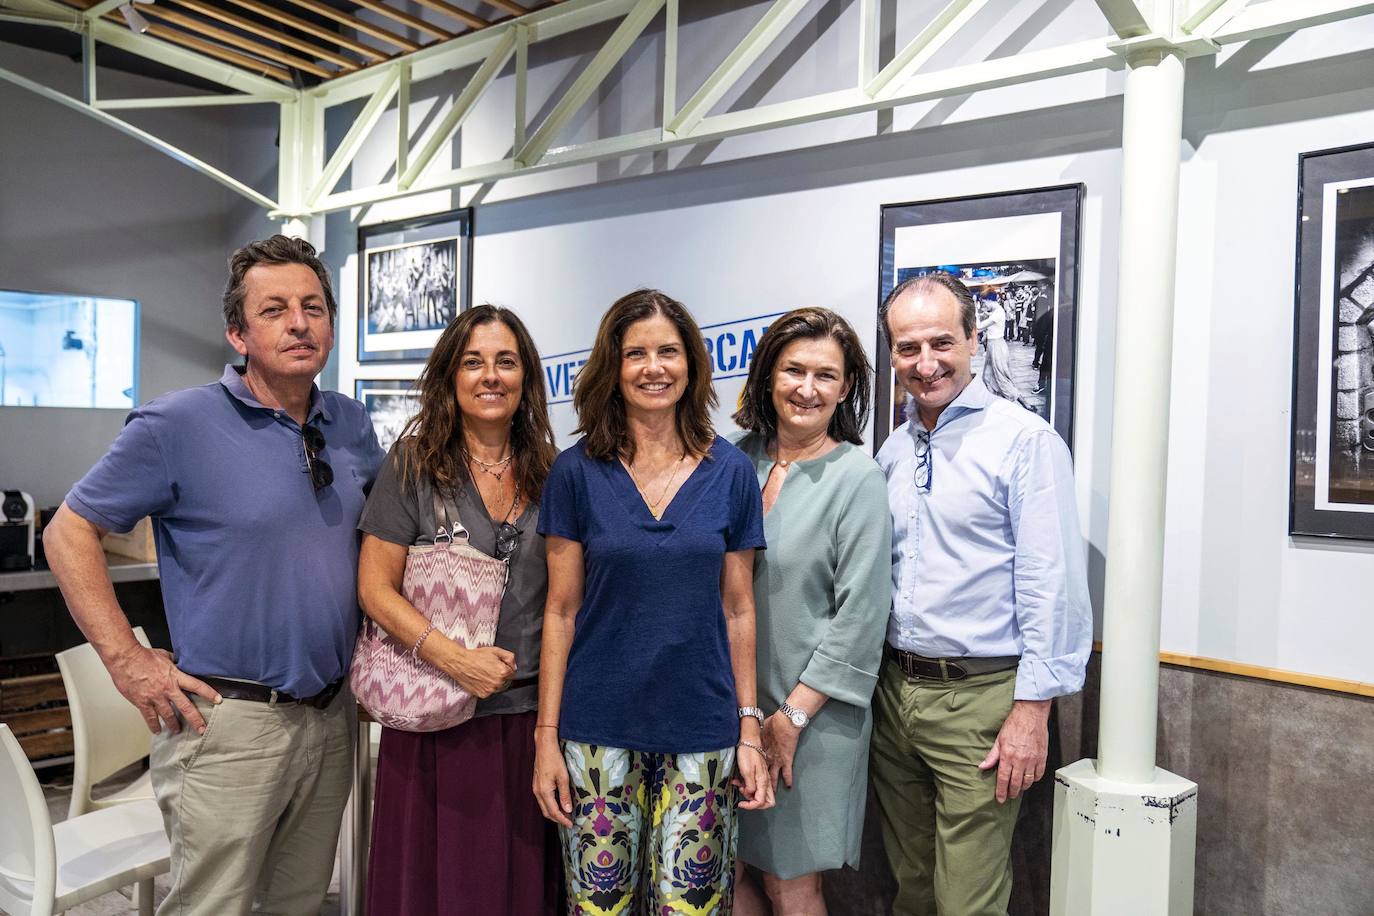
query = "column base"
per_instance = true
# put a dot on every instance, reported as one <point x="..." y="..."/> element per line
<point x="1124" y="849"/>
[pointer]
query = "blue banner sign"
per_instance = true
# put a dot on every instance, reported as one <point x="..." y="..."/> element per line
<point x="730" y="344"/>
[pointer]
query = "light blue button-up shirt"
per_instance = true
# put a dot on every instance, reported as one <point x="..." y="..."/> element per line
<point x="990" y="561"/>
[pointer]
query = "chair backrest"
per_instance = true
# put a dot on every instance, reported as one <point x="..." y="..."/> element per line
<point x="28" y="858"/>
<point x="108" y="734"/>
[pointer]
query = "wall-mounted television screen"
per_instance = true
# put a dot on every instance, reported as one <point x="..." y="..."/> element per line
<point x="68" y="351"/>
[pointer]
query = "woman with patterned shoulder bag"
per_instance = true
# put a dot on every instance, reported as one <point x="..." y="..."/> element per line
<point x="454" y="828"/>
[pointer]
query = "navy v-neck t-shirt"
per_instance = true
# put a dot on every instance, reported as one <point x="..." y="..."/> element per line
<point x="649" y="668"/>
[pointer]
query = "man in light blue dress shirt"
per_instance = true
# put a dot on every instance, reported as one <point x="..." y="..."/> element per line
<point x="990" y="612"/>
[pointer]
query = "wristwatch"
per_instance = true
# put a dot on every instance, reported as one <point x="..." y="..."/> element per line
<point x="752" y="711"/>
<point x="798" y="717"/>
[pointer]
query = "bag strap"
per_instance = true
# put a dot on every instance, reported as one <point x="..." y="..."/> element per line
<point x="446" y="526"/>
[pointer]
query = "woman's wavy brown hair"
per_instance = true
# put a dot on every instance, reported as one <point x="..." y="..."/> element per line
<point x="757" y="413"/>
<point x="596" y="394"/>
<point x="434" y="436"/>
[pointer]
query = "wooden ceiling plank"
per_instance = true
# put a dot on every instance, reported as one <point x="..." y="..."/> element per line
<point x="311" y="28"/>
<point x="205" y="29"/>
<point x="210" y="49"/>
<point x="471" y="20"/>
<point x="362" y="25"/>
<point x="271" y="34"/>
<point x="509" y="6"/>
<point x="414" y="22"/>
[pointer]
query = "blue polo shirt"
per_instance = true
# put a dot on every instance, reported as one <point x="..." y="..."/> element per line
<point x="258" y="569"/>
<point x="649" y="667"/>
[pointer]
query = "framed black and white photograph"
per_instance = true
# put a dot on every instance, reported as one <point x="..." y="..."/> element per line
<point x="414" y="278"/>
<point x="390" y="404"/>
<point x="1332" y="491"/>
<point x="1017" y="253"/>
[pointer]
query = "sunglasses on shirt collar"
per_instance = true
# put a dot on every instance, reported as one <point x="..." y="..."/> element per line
<point x="321" y="474"/>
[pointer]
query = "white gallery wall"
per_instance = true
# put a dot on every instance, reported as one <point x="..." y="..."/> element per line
<point x="763" y="223"/>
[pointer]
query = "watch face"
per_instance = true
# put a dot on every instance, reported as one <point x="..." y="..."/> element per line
<point x="798" y="719"/>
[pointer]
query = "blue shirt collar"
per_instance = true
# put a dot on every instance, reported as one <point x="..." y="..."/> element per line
<point x="975" y="396"/>
<point x="233" y="382"/>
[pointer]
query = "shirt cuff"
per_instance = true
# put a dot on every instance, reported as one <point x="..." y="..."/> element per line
<point x="1047" y="678"/>
<point x="84" y="509"/>
<point x="839" y="680"/>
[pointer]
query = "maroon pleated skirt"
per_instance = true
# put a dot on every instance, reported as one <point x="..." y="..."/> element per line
<point x="455" y="827"/>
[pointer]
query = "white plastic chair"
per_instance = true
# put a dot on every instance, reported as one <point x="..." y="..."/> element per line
<point x="108" y="734"/>
<point x="47" y="869"/>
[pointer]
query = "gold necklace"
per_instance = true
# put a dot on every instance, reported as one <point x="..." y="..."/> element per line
<point x="487" y="466"/>
<point x="653" y="506"/>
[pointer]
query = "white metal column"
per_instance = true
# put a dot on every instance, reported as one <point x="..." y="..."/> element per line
<point x="1124" y="830"/>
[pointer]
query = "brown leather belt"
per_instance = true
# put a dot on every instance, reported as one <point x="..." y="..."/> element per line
<point x="921" y="668"/>
<point x="261" y="693"/>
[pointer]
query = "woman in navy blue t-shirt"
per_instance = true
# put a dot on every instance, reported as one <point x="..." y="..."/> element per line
<point x="648" y="728"/>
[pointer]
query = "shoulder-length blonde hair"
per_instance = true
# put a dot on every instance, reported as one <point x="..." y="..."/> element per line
<point x="596" y="394"/>
<point x="433" y="439"/>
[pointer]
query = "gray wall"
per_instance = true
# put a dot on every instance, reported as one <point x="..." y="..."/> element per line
<point x="85" y="209"/>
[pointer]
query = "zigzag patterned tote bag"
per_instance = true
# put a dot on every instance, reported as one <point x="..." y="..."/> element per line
<point x="459" y="589"/>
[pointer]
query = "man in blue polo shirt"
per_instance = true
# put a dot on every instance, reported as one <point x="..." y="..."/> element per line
<point x="255" y="484"/>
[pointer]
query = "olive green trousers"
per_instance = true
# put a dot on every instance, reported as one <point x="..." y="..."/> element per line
<point x="947" y="839"/>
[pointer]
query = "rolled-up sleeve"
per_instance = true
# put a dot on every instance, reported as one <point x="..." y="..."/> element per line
<point x="845" y="665"/>
<point x="1053" y="610"/>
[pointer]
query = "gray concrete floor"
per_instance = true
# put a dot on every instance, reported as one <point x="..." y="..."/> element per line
<point x="57" y="790"/>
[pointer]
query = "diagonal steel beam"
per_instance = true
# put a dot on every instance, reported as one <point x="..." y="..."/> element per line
<point x="1212" y="15"/>
<point x="1279" y="17"/>
<point x="164" y="52"/>
<point x="353" y="140"/>
<point x="582" y="88"/>
<point x="920" y="49"/>
<point x="750" y="48"/>
<point x="462" y="107"/>
<point x="1126" y="18"/>
<point x="142" y="136"/>
<point x="181" y="101"/>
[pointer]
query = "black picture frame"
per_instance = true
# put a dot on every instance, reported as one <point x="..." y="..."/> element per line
<point x="383" y="399"/>
<point x="406" y="296"/>
<point x="1331" y="481"/>
<point x="990" y="240"/>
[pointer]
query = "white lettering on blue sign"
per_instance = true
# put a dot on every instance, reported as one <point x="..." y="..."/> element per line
<point x="730" y="345"/>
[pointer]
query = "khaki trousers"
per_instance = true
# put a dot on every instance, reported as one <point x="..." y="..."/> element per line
<point x="253" y="806"/>
<point x="947" y="839"/>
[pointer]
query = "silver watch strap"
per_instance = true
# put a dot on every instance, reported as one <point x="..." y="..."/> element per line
<point x="752" y="711"/>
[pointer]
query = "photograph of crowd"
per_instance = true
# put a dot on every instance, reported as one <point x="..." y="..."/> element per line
<point x="1015" y="304"/>
<point x="1016" y="254"/>
<point x="412" y="287"/>
<point x="390" y="404"/>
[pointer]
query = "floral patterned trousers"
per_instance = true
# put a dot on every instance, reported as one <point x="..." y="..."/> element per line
<point x="652" y="834"/>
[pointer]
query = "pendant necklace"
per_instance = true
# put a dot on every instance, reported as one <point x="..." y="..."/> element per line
<point x="487" y="466"/>
<point x="653" y="506"/>
<point x="785" y="462"/>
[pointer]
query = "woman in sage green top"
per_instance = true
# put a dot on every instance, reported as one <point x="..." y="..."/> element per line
<point x="821" y="595"/>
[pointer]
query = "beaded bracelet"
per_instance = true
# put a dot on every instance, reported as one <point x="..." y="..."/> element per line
<point x="415" y="652"/>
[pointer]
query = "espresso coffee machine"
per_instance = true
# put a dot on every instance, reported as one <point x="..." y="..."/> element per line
<point x="16" y="531"/>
